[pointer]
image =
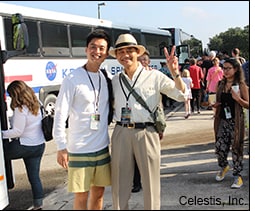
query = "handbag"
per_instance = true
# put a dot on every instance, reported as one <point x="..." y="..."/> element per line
<point x="47" y="125"/>
<point x="212" y="99"/>
<point x="202" y="84"/>
<point x="158" y="115"/>
<point x="159" y="119"/>
<point x="205" y="101"/>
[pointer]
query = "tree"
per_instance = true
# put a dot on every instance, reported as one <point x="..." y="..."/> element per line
<point x="195" y="45"/>
<point x="232" y="38"/>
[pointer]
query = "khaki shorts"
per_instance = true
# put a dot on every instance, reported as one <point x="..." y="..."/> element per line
<point x="89" y="169"/>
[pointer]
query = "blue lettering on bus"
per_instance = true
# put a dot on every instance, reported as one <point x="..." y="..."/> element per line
<point x="154" y="66"/>
<point x="115" y="70"/>
<point x="51" y="71"/>
<point x="66" y="72"/>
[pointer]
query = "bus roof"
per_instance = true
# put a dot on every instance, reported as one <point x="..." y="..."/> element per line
<point x="29" y="12"/>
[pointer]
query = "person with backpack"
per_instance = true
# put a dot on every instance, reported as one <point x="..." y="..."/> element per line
<point x="236" y="54"/>
<point x="84" y="99"/>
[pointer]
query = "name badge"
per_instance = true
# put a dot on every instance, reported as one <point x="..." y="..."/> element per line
<point x="227" y="112"/>
<point x="95" y="121"/>
<point x="125" y="115"/>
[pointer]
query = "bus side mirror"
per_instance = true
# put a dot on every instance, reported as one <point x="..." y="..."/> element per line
<point x="19" y="32"/>
<point x="20" y="39"/>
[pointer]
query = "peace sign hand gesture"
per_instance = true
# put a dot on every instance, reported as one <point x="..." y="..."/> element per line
<point x="173" y="66"/>
<point x="172" y="61"/>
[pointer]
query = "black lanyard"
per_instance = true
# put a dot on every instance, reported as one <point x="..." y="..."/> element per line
<point x="127" y="96"/>
<point x="96" y="97"/>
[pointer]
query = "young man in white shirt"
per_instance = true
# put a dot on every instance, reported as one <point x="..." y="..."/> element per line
<point x="83" y="99"/>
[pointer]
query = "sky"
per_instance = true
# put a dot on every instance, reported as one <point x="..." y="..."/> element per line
<point x="202" y="19"/>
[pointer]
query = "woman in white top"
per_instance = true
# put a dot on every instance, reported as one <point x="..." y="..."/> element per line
<point x="188" y="81"/>
<point x="26" y="136"/>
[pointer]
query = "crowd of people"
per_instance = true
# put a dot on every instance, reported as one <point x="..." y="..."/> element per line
<point x="132" y="161"/>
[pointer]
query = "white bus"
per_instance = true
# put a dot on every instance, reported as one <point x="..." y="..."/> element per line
<point x="4" y="200"/>
<point x="57" y="46"/>
<point x="189" y="46"/>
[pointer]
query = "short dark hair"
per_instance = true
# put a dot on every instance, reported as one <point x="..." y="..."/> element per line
<point x="236" y="51"/>
<point x="186" y="60"/>
<point x="99" y="33"/>
<point x="193" y="61"/>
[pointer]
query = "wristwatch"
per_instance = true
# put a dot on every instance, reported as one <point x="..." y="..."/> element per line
<point x="177" y="75"/>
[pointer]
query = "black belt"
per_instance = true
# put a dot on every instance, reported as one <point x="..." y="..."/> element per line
<point x="137" y="125"/>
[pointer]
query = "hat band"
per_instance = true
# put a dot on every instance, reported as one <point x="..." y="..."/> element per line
<point x="124" y="44"/>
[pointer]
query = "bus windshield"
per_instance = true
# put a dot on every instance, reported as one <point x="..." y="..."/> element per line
<point x="194" y="47"/>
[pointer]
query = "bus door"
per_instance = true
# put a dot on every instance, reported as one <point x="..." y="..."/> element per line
<point x="4" y="200"/>
<point x="182" y="52"/>
<point x="20" y="43"/>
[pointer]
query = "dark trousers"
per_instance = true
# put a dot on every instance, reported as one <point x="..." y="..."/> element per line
<point x="31" y="156"/>
<point x="196" y="95"/>
<point x="137" y="177"/>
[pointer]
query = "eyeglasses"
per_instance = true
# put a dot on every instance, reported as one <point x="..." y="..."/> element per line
<point x="227" y="68"/>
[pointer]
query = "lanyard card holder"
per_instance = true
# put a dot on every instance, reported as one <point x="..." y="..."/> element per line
<point x="95" y="121"/>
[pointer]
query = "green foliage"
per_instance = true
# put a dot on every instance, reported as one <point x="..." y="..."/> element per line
<point x="232" y="38"/>
<point x="196" y="48"/>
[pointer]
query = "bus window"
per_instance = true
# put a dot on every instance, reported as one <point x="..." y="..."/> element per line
<point x="155" y="44"/>
<point x="115" y="34"/>
<point x="54" y="39"/>
<point x="137" y="34"/>
<point x="33" y="47"/>
<point x="182" y="53"/>
<point x="108" y="30"/>
<point x="179" y="37"/>
<point x="8" y="33"/>
<point x="78" y="39"/>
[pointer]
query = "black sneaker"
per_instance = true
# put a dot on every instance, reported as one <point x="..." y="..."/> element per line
<point x="136" y="189"/>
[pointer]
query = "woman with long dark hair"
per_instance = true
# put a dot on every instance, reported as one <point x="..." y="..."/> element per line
<point x="229" y="120"/>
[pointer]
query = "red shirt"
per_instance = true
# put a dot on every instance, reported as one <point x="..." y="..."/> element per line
<point x="196" y="74"/>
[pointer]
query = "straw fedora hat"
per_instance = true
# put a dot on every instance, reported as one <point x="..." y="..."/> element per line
<point x="124" y="41"/>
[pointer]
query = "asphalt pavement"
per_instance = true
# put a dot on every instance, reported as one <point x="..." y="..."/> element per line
<point x="188" y="170"/>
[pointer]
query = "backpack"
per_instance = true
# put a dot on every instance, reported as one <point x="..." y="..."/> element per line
<point x="110" y="92"/>
<point x="246" y="69"/>
<point x="47" y="124"/>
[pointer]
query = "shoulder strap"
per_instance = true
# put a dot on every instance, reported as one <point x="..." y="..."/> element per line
<point x="136" y="96"/>
<point x="110" y="93"/>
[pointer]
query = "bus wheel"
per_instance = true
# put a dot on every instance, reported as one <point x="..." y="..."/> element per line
<point x="49" y="104"/>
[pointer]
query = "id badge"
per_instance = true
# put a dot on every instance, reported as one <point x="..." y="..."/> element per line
<point x="125" y="115"/>
<point x="227" y="112"/>
<point x="94" y="121"/>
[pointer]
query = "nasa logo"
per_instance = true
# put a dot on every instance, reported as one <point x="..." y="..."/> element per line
<point x="51" y="71"/>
